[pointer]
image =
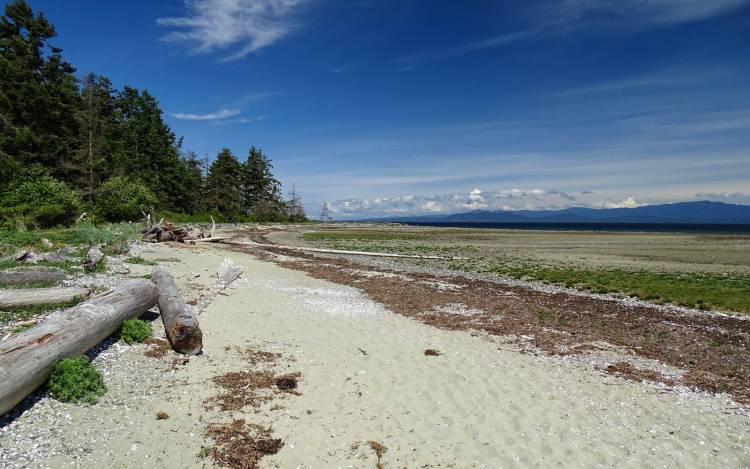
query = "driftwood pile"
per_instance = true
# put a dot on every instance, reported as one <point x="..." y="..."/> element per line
<point x="160" y="233"/>
<point x="165" y="231"/>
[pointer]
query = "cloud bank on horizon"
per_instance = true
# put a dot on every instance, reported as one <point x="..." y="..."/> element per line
<point x="511" y="199"/>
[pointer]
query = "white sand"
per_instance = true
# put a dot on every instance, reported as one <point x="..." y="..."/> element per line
<point x="480" y="404"/>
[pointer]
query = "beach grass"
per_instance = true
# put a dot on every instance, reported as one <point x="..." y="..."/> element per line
<point x="83" y="234"/>
<point x="694" y="290"/>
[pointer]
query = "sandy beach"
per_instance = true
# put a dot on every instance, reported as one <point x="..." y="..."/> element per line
<point x="365" y="379"/>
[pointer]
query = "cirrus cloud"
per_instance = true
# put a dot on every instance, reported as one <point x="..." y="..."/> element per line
<point x="210" y="116"/>
<point x="250" y="25"/>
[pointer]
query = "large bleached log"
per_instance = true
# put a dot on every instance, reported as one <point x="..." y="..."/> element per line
<point x="181" y="325"/>
<point x="31" y="276"/>
<point x="27" y="359"/>
<point x="14" y="297"/>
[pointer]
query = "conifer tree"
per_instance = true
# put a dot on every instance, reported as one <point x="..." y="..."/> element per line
<point x="223" y="184"/>
<point x="38" y="94"/>
<point x="89" y="166"/>
<point x="261" y="193"/>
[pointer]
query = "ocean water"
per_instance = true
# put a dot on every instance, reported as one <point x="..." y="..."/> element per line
<point x="615" y="227"/>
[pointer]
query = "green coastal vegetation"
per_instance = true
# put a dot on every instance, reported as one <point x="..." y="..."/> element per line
<point x="79" y="148"/>
<point x="694" y="290"/>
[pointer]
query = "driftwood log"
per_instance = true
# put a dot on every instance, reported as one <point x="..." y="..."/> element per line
<point x="61" y="255"/>
<point x="180" y="323"/>
<point x="14" y="297"/>
<point x="31" y="276"/>
<point x="27" y="359"/>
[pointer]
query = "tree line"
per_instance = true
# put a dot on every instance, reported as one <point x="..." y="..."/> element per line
<point x="70" y="145"/>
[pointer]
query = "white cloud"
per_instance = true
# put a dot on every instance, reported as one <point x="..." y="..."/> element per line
<point x="218" y="115"/>
<point x="630" y="202"/>
<point x="510" y="199"/>
<point x="246" y="25"/>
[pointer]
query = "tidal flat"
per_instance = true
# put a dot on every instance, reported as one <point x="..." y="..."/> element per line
<point x="703" y="271"/>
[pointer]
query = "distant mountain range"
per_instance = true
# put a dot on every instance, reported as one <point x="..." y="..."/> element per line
<point x="682" y="212"/>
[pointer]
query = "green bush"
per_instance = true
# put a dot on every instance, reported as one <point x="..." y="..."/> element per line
<point x="122" y="199"/>
<point x="134" y="331"/>
<point x="75" y="379"/>
<point x="38" y="200"/>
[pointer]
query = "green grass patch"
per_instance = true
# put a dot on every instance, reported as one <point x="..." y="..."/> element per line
<point x="21" y="313"/>
<point x="544" y="315"/>
<point x="80" y="234"/>
<point x="134" y="331"/>
<point x="695" y="290"/>
<point x="75" y="379"/>
<point x="75" y="265"/>
<point x="359" y="236"/>
<point x="139" y="260"/>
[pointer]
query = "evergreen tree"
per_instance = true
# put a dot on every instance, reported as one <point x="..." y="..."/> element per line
<point x="149" y="150"/>
<point x="38" y="94"/>
<point x="196" y="183"/>
<point x="261" y="193"/>
<point x="97" y="119"/>
<point x="223" y="184"/>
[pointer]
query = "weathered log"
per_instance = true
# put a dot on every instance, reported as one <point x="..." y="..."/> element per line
<point x="227" y="273"/>
<point x="26" y="359"/>
<point x="93" y="256"/>
<point x="15" y="297"/>
<point x="180" y="324"/>
<point x="31" y="276"/>
<point x="61" y="255"/>
<point x="216" y="239"/>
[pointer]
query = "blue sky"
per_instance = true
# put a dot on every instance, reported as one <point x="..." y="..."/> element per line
<point x="401" y="107"/>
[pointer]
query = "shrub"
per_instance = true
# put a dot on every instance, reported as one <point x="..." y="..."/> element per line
<point x="39" y="200"/>
<point x="75" y="379"/>
<point x="134" y="330"/>
<point x="122" y="199"/>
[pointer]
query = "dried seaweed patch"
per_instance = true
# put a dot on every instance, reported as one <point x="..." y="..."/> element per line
<point x="241" y="446"/>
<point x="158" y="347"/>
